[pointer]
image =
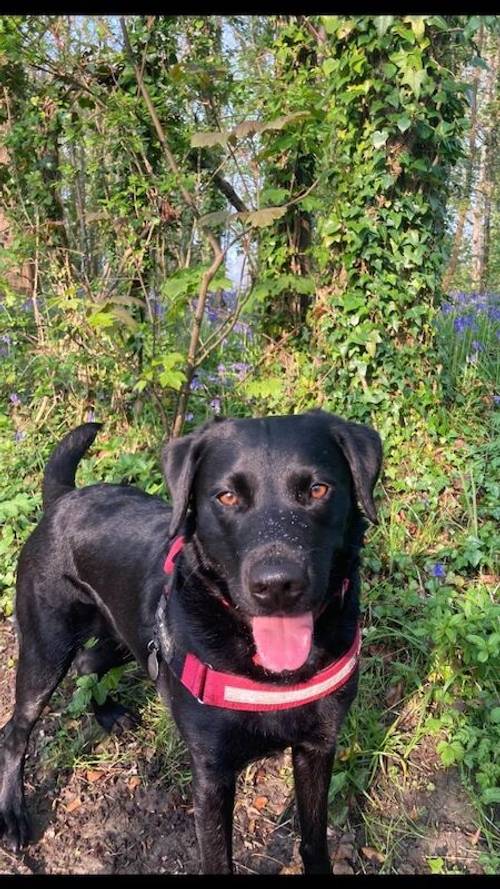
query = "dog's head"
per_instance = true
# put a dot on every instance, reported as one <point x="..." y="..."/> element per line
<point x="271" y="501"/>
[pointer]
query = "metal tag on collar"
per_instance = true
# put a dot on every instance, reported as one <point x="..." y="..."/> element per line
<point x="153" y="660"/>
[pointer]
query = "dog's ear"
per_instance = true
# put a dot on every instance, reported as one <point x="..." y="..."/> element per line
<point x="362" y="448"/>
<point x="180" y="460"/>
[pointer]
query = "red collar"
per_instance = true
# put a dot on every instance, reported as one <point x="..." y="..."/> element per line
<point x="233" y="692"/>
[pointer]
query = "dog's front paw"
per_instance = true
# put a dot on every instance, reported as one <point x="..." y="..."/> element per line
<point x="15" y="830"/>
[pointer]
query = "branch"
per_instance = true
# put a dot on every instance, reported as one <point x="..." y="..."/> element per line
<point x="218" y="253"/>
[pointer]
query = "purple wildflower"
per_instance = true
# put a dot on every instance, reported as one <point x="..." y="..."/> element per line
<point x="195" y="384"/>
<point x="211" y="315"/>
<point x="19" y="435"/>
<point x="229" y="298"/>
<point x="477" y="345"/>
<point x="14" y="399"/>
<point x="189" y="418"/>
<point x="464" y="322"/>
<point x="158" y="310"/>
<point x="240" y="369"/>
<point x="496" y="399"/>
<point x="90" y="418"/>
<point x="216" y="405"/>
<point x="438" y="570"/>
<point x="221" y="370"/>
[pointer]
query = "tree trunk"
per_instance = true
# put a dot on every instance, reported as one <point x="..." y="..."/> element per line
<point x="487" y="184"/>
<point x="469" y="175"/>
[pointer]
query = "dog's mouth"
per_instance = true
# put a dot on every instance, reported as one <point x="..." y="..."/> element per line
<point x="283" y="643"/>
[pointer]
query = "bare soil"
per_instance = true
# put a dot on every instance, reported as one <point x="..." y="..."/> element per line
<point x="123" y="819"/>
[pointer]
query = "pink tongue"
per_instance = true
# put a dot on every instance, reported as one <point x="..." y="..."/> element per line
<point x="283" y="643"/>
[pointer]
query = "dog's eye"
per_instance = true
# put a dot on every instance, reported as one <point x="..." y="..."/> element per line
<point x="318" y="491"/>
<point x="228" y="498"/>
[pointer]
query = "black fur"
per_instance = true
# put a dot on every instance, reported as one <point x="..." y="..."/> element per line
<point x="94" y="567"/>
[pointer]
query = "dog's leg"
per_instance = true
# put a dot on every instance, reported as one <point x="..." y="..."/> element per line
<point x="43" y="662"/>
<point x="213" y="792"/>
<point x="107" y="653"/>
<point x="312" y="772"/>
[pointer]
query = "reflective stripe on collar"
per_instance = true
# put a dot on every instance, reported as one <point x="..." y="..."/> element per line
<point x="234" y="692"/>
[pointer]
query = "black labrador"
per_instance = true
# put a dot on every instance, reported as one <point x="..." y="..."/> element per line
<point x="263" y="591"/>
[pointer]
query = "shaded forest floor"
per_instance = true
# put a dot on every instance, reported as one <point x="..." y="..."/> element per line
<point x="117" y="813"/>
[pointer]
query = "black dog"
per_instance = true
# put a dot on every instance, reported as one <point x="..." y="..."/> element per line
<point x="255" y="648"/>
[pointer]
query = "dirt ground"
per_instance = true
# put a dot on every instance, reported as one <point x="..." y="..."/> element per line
<point x="110" y="820"/>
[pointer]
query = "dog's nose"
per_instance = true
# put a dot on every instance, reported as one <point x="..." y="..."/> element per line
<point x="278" y="585"/>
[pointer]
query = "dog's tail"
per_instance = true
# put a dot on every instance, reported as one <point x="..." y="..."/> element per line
<point x="60" y="471"/>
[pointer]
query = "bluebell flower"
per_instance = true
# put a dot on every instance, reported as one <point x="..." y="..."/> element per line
<point x="189" y="418"/>
<point x="464" y="322"/>
<point x="90" y="417"/>
<point x="221" y="370"/>
<point x="19" y="435"/>
<point x="230" y="298"/>
<point x="242" y="327"/>
<point x="438" y="570"/>
<point x="157" y="308"/>
<point x="195" y="384"/>
<point x="477" y="345"/>
<point x="496" y="399"/>
<point x="14" y="399"/>
<point x="240" y="369"/>
<point x="216" y="405"/>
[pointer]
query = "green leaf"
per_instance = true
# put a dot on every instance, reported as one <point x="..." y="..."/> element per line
<point x="209" y="139"/>
<point x="403" y="123"/>
<point x="418" y="25"/>
<point x="216" y="218"/>
<point x="331" y="23"/>
<point x="262" y="218"/>
<point x="171" y="379"/>
<point x="328" y="66"/>
<point x="379" y="138"/>
<point x="101" y="319"/>
<point x="382" y="23"/>
<point x="491" y="796"/>
<point x="415" y="79"/>
<point x="125" y="317"/>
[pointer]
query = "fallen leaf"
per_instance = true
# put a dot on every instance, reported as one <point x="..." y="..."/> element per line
<point x="291" y="869"/>
<point x="73" y="804"/>
<point x="134" y="782"/>
<point x="94" y="775"/>
<point x="372" y="854"/>
<point x="260" y="802"/>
